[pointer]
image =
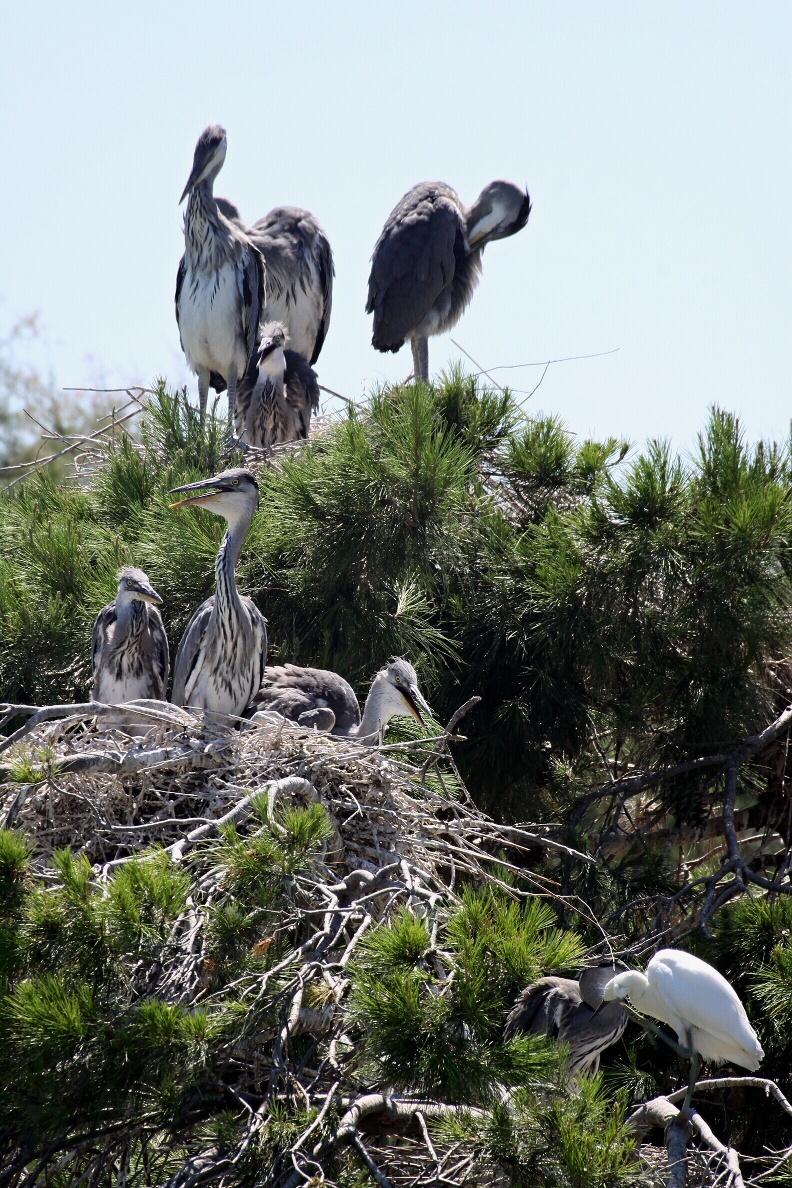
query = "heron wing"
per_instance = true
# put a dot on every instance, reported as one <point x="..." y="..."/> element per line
<point x="321" y="689"/>
<point x="413" y="261"/>
<point x="260" y="643"/>
<point x="253" y="290"/>
<point x="540" y="1007"/>
<point x="190" y="650"/>
<point x="102" y="624"/>
<point x="324" y="259"/>
<point x="302" y="388"/>
<point x="180" y="275"/>
<point x="161" y="653"/>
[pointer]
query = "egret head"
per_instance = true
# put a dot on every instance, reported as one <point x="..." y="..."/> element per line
<point x="632" y="984"/>
<point x="399" y="692"/>
<point x="134" y="586"/>
<point x="209" y="156"/>
<point x="234" y="494"/>
<point x="271" y="358"/>
<point x="500" y="210"/>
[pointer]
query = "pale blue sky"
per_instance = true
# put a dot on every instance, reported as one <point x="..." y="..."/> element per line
<point x="654" y="139"/>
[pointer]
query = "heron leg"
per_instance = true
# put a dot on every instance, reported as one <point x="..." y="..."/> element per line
<point x="203" y="392"/>
<point x="420" y="354"/>
<point x="231" y="380"/>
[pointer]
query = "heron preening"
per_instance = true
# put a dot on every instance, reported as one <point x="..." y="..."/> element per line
<point x="221" y="657"/>
<point x="220" y="285"/>
<point x="427" y="261"/>
<point x="317" y="698"/>
<point x="698" y="1003"/>
<point x="276" y="395"/>
<point x="129" y="647"/>
<point x="572" y="1011"/>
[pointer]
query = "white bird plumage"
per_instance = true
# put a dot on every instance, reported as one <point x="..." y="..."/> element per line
<point x="697" y="1002"/>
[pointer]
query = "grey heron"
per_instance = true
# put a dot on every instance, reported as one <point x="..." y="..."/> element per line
<point x="315" y="697"/>
<point x="220" y="285"/>
<point x="276" y="395"/>
<point x="427" y="261"/>
<point x="572" y="1011"/>
<point x="129" y="647"/>
<point x="300" y="271"/>
<point x="698" y="1003"/>
<point x="221" y="657"/>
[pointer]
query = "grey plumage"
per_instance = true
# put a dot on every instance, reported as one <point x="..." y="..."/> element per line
<point x="427" y="260"/>
<point x="220" y="285"/>
<point x="316" y="697"/>
<point x="129" y="647"/>
<point x="276" y="395"/>
<point x="300" y="273"/>
<point x="221" y="657"/>
<point x="572" y="1012"/>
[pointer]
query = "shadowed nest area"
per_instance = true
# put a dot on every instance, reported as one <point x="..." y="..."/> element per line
<point x="243" y="952"/>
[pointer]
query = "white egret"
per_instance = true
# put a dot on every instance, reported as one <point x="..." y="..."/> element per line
<point x="698" y="1003"/>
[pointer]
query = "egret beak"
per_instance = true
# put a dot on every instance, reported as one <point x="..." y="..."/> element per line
<point x="207" y="497"/>
<point x="415" y="702"/>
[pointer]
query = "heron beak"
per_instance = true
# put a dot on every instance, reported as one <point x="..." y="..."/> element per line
<point x="267" y="347"/>
<point x="207" y="496"/>
<point x="415" y="703"/>
<point x="150" y="596"/>
<point x="192" y="181"/>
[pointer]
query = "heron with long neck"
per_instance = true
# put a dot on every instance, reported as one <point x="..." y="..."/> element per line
<point x="129" y="647"/>
<point x="220" y="285"/>
<point x="427" y="261"/>
<point x="323" y="700"/>
<point x="220" y="662"/>
<point x="276" y="395"/>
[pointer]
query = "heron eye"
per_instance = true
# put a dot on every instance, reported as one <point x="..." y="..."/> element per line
<point x="236" y="482"/>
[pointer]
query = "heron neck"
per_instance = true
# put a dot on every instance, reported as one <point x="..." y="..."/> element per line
<point x="375" y="712"/>
<point x="202" y="220"/>
<point x="131" y="617"/>
<point x="227" y="596"/>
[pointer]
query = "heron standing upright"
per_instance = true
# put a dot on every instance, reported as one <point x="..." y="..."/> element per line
<point x="571" y="1011"/>
<point x="129" y="647"/>
<point x="315" y="697"/>
<point x="221" y="657"/>
<point x="427" y="261"/>
<point x="276" y="395"/>
<point x="220" y="285"/>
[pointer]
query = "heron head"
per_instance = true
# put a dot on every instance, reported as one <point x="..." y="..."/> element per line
<point x="401" y="693"/>
<point x="134" y="586"/>
<point x="270" y="356"/>
<point x="500" y="210"/>
<point x="594" y="981"/>
<point x="232" y="494"/>
<point x="208" y="159"/>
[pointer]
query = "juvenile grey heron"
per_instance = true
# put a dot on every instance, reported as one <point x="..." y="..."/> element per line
<point x="276" y="395"/>
<point x="572" y="1012"/>
<point x="129" y="647"/>
<point x="315" y="697"/>
<point x="300" y="271"/>
<point x="221" y="657"/>
<point x="220" y="285"/>
<point x="427" y="261"/>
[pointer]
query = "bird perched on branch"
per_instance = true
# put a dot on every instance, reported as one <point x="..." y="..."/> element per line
<point x="323" y="700"/>
<point x="427" y="261"/>
<point x="221" y="657"/>
<point x="129" y="647"/>
<point x="276" y="395"/>
<point x="571" y="1011"/>
<point x="220" y="285"/>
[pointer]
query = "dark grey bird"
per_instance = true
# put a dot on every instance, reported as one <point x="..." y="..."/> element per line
<point x="276" y="395"/>
<point x="427" y="261"/>
<point x="220" y="662"/>
<point x="221" y="282"/>
<point x="317" y="698"/>
<point x="300" y="271"/>
<point x="572" y="1012"/>
<point x="129" y="647"/>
